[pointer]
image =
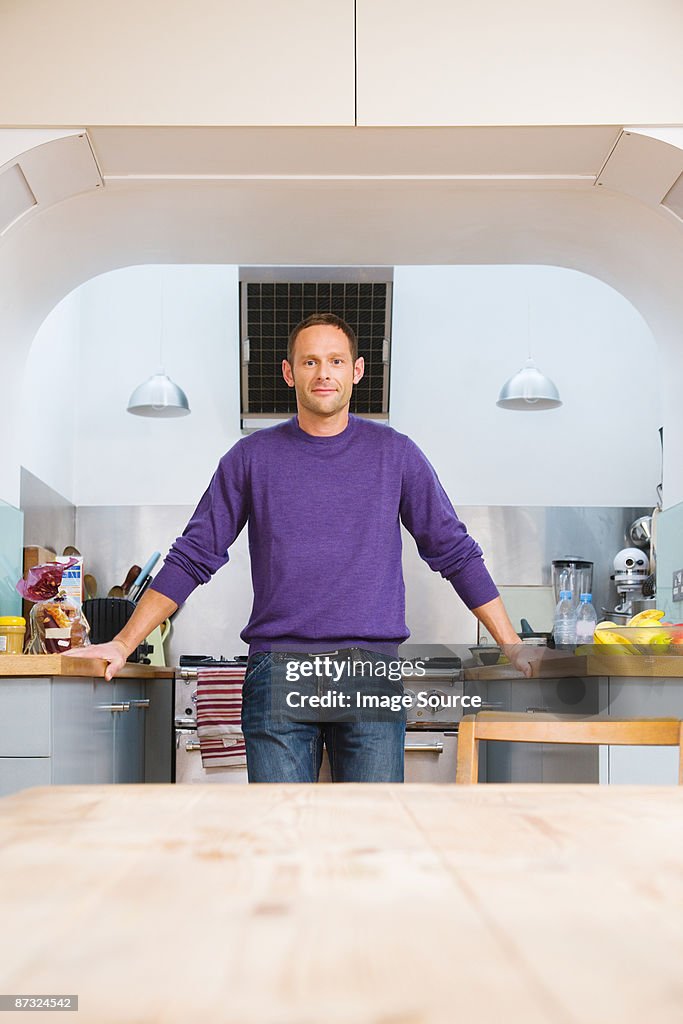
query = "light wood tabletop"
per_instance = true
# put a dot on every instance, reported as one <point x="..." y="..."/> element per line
<point x="348" y="904"/>
<point x="59" y="665"/>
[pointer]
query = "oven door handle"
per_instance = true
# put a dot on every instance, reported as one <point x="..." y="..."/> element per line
<point x="423" y="748"/>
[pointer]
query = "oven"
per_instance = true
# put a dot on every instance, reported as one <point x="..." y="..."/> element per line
<point x="188" y="758"/>
<point x="431" y="733"/>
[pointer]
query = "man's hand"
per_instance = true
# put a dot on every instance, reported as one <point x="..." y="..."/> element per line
<point x="524" y="657"/>
<point x="114" y="653"/>
<point x="494" y="617"/>
<point x="150" y="612"/>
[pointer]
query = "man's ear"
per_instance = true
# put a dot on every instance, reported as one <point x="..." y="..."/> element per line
<point x="358" y="369"/>
<point x="287" y="373"/>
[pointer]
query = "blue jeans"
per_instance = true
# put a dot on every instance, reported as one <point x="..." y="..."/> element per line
<point x="283" y="749"/>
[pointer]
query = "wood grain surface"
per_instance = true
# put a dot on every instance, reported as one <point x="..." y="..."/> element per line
<point x="555" y="666"/>
<point x="346" y="904"/>
<point x="57" y="665"/>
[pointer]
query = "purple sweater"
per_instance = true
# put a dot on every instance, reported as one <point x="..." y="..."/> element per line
<point x="324" y="536"/>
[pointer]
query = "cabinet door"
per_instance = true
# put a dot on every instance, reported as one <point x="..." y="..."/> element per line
<point x="159" y="731"/>
<point x="129" y="732"/>
<point x="73" y="737"/>
<point x="23" y="772"/>
<point x="101" y="732"/>
<point x="543" y="762"/>
<point x="644" y="698"/>
<point x="25" y="717"/>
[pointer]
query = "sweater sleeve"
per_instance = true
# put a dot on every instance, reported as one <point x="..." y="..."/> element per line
<point x="442" y="539"/>
<point x="216" y="522"/>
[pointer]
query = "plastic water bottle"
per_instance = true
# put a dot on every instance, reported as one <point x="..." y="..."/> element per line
<point x="585" y="620"/>
<point x="564" y="628"/>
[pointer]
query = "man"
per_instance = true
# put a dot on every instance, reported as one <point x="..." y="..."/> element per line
<point x="324" y="494"/>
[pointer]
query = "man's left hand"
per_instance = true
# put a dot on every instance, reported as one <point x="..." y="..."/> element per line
<point x="524" y="657"/>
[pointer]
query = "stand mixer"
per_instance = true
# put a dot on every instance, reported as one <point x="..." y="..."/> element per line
<point x="631" y="574"/>
<point x="634" y="570"/>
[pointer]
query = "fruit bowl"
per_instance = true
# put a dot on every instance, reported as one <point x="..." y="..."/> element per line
<point x="652" y="637"/>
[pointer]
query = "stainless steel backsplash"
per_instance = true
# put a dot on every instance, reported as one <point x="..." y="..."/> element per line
<point x="519" y="544"/>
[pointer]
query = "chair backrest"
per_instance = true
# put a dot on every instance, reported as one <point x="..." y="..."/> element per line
<point x="515" y="727"/>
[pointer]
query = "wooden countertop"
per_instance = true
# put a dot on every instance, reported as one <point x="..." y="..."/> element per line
<point x="557" y="666"/>
<point x="349" y="904"/>
<point x="57" y="665"/>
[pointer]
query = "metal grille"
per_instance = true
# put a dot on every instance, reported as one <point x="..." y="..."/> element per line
<point x="271" y="309"/>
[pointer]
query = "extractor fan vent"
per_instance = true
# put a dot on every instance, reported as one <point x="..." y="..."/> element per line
<point x="274" y="300"/>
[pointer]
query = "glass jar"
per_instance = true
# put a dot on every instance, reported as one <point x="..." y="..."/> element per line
<point x="12" y="629"/>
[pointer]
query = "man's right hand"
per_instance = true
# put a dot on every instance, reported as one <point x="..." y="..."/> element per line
<point x="114" y="653"/>
<point x="149" y="613"/>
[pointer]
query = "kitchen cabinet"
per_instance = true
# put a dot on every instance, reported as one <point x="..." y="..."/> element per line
<point x="644" y="697"/>
<point x="543" y="762"/>
<point x="129" y="731"/>
<point x="605" y="685"/>
<point x="437" y="63"/>
<point x="269" y="63"/>
<point x="65" y="729"/>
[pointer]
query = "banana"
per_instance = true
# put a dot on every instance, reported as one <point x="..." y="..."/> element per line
<point x="648" y="634"/>
<point x="640" y="632"/>
<point x="646" y="618"/>
<point x="607" y="633"/>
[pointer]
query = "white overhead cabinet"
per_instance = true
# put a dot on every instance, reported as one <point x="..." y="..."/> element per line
<point x="151" y="62"/>
<point x="492" y="63"/>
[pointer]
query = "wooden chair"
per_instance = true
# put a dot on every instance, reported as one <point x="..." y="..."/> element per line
<point x="515" y="727"/>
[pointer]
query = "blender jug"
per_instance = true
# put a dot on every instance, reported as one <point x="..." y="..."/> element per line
<point x="575" y="574"/>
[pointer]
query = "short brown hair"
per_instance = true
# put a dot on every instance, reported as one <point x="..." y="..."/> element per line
<point x="330" y="320"/>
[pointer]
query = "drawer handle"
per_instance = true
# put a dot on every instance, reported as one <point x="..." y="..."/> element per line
<point x="122" y="705"/>
<point x="141" y="705"/>
<point x="429" y="748"/>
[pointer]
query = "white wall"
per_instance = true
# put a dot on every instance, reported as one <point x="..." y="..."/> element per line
<point x="460" y="332"/>
<point x="127" y="460"/>
<point x="51" y="396"/>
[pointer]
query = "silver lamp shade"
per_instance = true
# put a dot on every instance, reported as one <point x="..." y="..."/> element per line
<point x="160" y="397"/>
<point x="529" y="391"/>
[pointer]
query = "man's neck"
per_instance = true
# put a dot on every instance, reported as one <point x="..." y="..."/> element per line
<point x="323" y="426"/>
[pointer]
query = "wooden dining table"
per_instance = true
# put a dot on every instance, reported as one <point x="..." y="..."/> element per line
<point x="348" y="904"/>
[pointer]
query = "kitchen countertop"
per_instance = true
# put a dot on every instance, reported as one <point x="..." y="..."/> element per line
<point x="558" y="666"/>
<point x="353" y="904"/>
<point x="57" y="665"/>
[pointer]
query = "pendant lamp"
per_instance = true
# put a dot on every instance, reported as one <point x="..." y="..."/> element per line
<point x="159" y="396"/>
<point x="529" y="390"/>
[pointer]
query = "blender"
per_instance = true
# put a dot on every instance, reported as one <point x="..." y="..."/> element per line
<point x="574" y="574"/>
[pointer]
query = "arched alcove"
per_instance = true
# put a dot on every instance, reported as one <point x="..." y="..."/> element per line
<point x="458" y="333"/>
<point x="332" y="220"/>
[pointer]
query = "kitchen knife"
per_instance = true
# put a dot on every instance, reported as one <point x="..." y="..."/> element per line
<point x="144" y="572"/>
<point x="142" y="588"/>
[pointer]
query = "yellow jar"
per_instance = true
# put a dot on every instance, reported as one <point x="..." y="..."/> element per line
<point x="12" y="629"/>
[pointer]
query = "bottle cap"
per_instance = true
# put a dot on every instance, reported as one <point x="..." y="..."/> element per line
<point x="586" y="598"/>
<point x="565" y="595"/>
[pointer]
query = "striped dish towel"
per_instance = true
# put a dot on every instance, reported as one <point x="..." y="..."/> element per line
<point x="219" y="712"/>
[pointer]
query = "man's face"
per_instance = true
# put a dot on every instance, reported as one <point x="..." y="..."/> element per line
<point x="322" y="371"/>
